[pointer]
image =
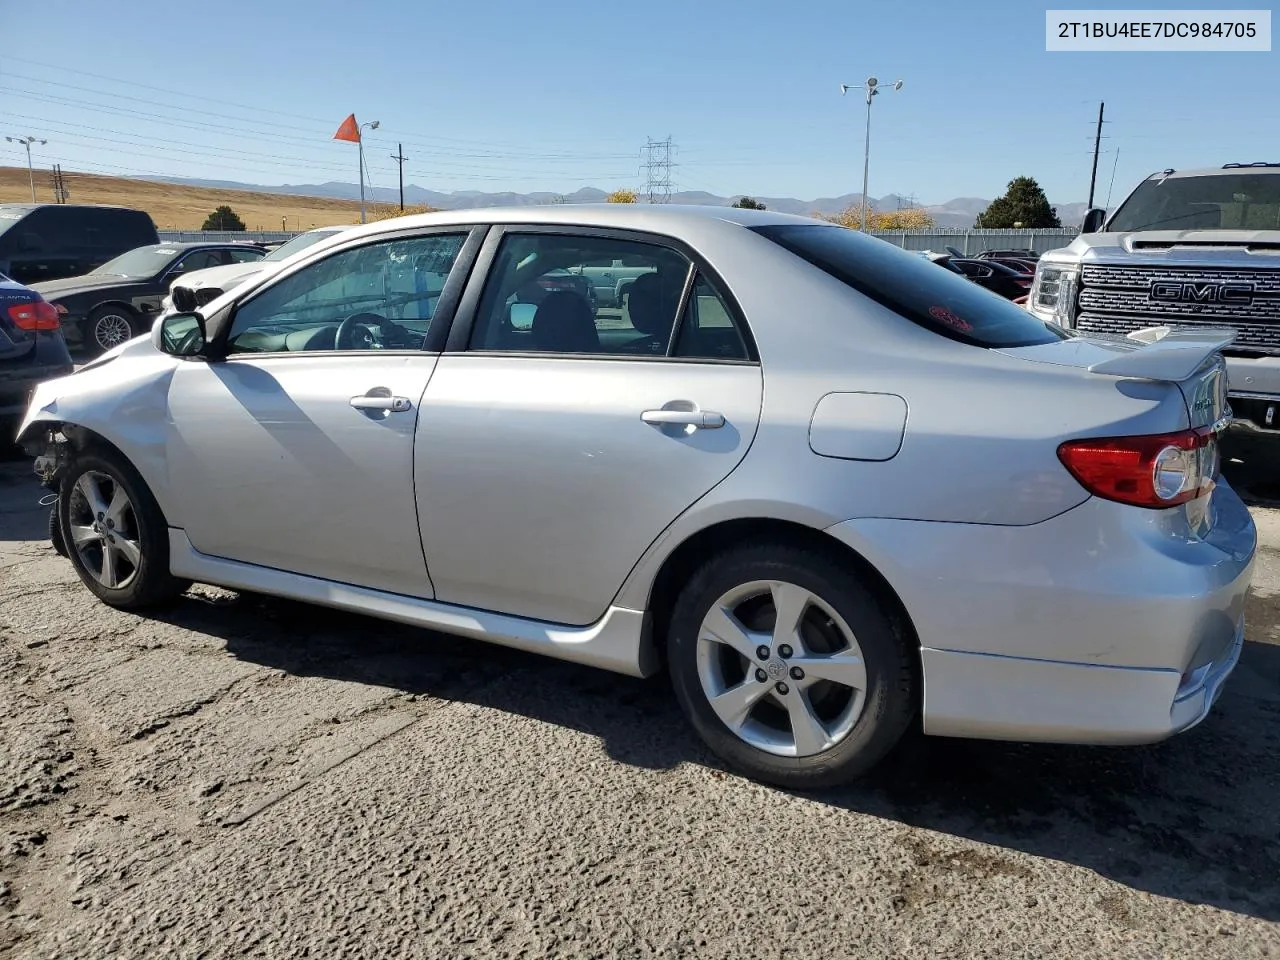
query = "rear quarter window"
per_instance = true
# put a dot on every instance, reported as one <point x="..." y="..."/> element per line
<point x="913" y="287"/>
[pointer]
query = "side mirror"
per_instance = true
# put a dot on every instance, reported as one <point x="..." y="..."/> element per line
<point x="1093" y="220"/>
<point x="180" y="335"/>
<point x="184" y="299"/>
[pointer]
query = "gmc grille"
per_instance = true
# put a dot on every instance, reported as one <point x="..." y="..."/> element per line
<point x="1117" y="300"/>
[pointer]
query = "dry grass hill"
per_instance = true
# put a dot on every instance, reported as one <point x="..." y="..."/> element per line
<point x="174" y="207"/>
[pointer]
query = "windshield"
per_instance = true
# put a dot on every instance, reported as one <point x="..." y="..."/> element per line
<point x="1227" y="201"/>
<point x="139" y="262"/>
<point x="300" y="242"/>
<point x="922" y="292"/>
<point x="11" y="216"/>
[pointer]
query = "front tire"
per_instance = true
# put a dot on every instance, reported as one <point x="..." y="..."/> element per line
<point x="114" y="533"/>
<point x="789" y="667"/>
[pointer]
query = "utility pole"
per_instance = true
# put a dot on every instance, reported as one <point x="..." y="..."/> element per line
<point x="60" y="191"/>
<point x="400" y="158"/>
<point x="31" y="174"/>
<point x="1097" y="144"/>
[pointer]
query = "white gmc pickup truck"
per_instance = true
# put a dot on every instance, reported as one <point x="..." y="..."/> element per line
<point x="1193" y="248"/>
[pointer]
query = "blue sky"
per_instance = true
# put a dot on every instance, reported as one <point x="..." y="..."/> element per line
<point x="554" y="96"/>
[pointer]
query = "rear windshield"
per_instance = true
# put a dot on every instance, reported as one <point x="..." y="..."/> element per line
<point x="298" y="243"/>
<point x="923" y="292"/>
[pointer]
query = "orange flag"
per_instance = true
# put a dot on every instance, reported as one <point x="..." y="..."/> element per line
<point x="348" y="130"/>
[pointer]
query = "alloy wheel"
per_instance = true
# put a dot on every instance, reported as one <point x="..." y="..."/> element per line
<point x="111" y="330"/>
<point x="781" y="669"/>
<point x="104" y="529"/>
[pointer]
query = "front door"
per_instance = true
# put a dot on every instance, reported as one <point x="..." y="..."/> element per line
<point x="566" y="437"/>
<point x="297" y="452"/>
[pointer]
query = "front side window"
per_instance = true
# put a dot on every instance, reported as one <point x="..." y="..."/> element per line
<point x="541" y="297"/>
<point x="247" y="255"/>
<point x="379" y="296"/>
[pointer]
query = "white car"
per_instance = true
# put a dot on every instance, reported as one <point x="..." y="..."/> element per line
<point x="199" y="287"/>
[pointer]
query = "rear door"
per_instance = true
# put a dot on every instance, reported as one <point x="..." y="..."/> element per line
<point x="558" y="440"/>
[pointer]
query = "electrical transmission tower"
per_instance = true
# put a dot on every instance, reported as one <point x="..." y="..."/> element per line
<point x="657" y="166"/>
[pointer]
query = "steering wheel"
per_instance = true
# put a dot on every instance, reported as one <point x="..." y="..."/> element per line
<point x="354" y="333"/>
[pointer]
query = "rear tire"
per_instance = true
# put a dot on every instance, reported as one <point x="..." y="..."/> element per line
<point x="55" y="532"/>
<point x="114" y="533"/>
<point x="836" y="691"/>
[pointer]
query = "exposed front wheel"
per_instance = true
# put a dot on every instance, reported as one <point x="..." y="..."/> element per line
<point x="114" y="533"/>
<point x="108" y="327"/>
<point x="789" y="668"/>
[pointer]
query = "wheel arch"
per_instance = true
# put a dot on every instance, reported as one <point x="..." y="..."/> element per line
<point x="681" y="562"/>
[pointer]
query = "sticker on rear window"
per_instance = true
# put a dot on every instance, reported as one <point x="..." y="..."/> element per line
<point x="166" y="250"/>
<point x="943" y="315"/>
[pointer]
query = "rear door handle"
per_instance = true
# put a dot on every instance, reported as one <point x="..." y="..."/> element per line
<point x="702" y="419"/>
<point x="389" y="404"/>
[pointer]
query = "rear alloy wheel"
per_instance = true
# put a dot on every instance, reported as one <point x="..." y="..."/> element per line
<point x="789" y="668"/>
<point x="109" y="327"/>
<point x="114" y="533"/>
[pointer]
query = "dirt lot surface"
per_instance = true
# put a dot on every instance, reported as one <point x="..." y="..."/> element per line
<point x="177" y="207"/>
<point x="241" y="777"/>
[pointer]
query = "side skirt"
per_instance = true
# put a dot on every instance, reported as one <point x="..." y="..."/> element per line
<point x="617" y="642"/>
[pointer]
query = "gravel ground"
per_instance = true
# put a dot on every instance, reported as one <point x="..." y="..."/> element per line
<point x="249" y="777"/>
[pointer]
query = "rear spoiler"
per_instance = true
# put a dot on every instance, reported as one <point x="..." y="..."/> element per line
<point x="1169" y="354"/>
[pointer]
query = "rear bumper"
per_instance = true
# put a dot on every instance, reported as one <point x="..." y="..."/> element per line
<point x="1039" y="700"/>
<point x="1105" y="624"/>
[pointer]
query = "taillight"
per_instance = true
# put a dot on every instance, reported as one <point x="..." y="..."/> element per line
<point x="37" y="315"/>
<point x="1157" y="470"/>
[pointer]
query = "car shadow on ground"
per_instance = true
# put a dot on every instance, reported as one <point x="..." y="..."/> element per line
<point x="1193" y="818"/>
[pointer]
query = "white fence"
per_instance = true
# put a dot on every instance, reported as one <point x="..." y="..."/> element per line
<point x="968" y="242"/>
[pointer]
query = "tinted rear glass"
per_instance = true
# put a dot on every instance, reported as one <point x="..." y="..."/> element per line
<point x="923" y="292"/>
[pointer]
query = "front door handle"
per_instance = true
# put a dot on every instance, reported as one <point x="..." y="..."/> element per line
<point x="701" y="419"/>
<point x="387" y="404"/>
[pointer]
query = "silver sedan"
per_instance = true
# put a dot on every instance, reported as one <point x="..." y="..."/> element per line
<point x="829" y="488"/>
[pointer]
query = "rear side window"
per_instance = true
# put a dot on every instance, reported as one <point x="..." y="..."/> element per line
<point x="913" y="287"/>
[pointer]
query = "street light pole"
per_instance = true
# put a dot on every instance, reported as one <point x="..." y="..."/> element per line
<point x="872" y="86"/>
<point x="372" y="125"/>
<point x="31" y="173"/>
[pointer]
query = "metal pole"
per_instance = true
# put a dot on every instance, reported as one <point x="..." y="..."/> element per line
<point x="360" y="144"/>
<point x="1097" y="143"/>
<point x="31" y="173"/>
<point x="400" y="157"/>
<point x="866" y="160"/>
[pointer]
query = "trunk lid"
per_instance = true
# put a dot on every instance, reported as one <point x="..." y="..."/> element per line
<point x="1190" y="359"/>
<point x="15" y="343"/>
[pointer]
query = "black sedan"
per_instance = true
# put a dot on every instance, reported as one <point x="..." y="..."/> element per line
<point x="31" y="350"/>
<point x="996" y="277"/>
<point x="114" y="303"/>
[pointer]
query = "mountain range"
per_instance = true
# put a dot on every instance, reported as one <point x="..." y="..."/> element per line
<point x="959" y="212"/>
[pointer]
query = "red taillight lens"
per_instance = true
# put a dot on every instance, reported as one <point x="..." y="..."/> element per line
<point x="1158" y="470"/>
<point x="37" y="315"/>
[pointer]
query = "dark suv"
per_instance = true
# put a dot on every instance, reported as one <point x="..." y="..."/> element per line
<point x="40" y="242"/>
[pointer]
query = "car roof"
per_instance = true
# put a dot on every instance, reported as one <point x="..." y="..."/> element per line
<point x="656" y="217"/>
<point x="195" y="244"/>
<point x="1224" y="171"/>
<point x="29" y="207"/>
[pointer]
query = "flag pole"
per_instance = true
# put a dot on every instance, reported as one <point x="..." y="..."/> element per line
<point x="360" y="144"/>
